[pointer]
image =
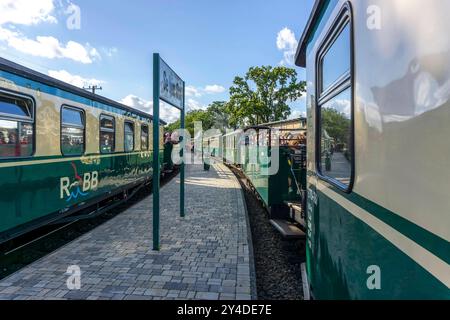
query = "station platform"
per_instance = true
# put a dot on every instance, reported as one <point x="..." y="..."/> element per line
<point x="207" y="255"/>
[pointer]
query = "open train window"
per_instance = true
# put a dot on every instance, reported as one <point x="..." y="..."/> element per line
<point x="72" y="131"/>
<point x="16" y="126"/>
<point x="144" y="137"/>
<point x="107" y="134"/>
<point x="335" y="123"/>
<point x="264" y="138"/>
<point x="129" y="136"/>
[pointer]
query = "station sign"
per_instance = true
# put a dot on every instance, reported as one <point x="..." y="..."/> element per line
<point x="171" y="86"/>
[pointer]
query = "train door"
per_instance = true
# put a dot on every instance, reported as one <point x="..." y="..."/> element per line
<point x="330" y="152"/>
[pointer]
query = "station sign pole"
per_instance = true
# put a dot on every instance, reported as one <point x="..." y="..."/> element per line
<point x="156" y="166"/>
<point x="182" y="172"/>
<point x="170" y="88"/>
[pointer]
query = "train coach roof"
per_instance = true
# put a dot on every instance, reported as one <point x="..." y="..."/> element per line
<point x="269" y="124"/>
<point x="22" y="71"/>
<point x="300" y="57"/>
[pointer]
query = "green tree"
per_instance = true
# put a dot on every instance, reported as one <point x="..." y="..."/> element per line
<point x="214" y="117"/>
<point x="218" y="112"/>
<point x="191" y="117"/>
<point x="263" y="94"/>
<point x="336" y="124"/>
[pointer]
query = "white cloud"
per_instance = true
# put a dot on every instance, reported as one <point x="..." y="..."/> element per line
<point x="26" y="12"/>
<point x="295" y="114"/>
<point x="287" y="43"/>
<point x="167" y="113"/>
<point x="49" y="47"/>
<point x="138" y="103"/>
<point x="214" y="89"/>
<point x="33" y="12"/>
<point x="75" y="80"/>
<point x="194" y="105"/>
<point x="342" y="106"/>
<point x="192" y="91"/>
<point x="111" y="51"/>
<point x="94" y="54"/>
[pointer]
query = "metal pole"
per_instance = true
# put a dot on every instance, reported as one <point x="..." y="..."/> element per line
<point x="182" y="173"/>
<point x="156" y="167"/>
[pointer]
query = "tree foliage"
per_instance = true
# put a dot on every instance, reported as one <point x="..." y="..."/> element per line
<point x="214" y="117"/>
<point x="263" y="94"/>
<point x="191" y="117"/>
<point x="218" y="111"/>
<point x="336" y="124"/>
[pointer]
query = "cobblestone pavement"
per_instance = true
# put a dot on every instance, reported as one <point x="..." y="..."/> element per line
<point x="206" y="255"/>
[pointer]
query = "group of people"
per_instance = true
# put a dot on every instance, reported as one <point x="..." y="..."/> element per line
<point x="293" y="139"/>
<point x="9" y="138"/>
<point x="8" y="144"/>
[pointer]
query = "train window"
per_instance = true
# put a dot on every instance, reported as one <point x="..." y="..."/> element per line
<point x="336" y="61"/>
<point x="263" y="139"/>
<point x="129" y="136"/>
<point x="107" y="134"/>
<point x="335" y="105"/>
<point x="144" y="137"/>
<point x="16" y="126"/>
<point x="72" y="131"/>
<point x="335" y="137"/>
<point x="11" y="106"/>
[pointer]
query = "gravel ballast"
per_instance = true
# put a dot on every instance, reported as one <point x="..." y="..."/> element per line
<point x="277" y="261"/>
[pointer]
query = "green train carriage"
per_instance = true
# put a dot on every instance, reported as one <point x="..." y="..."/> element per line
<point x="213" y="147"/>
<point x="256" y="150"/>
<point x="63" y="149"/>
<point x="230" y="143"/>
<point x="282" y="184"/>
<point x="378" y="107"/>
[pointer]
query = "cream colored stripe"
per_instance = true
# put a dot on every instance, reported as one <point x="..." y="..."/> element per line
<point x="57" y="160"/>
<point x="433" y="264"/>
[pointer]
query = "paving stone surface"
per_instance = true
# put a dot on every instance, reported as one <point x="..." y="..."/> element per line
<point x="206" y="255"/>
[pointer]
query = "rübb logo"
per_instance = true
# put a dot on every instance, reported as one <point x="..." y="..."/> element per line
<point x="78" y="186"/>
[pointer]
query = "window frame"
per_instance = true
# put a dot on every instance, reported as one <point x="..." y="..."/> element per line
<point x="143" y="125"/>
<point x="31" y="120"/>
<point x="125" y="136"/>
<point x="102" y="116"/>
<point x="344" y="82"/>
<point x="61" y="125"/>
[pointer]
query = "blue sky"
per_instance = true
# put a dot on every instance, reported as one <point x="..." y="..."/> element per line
<point x="208" y="43"/>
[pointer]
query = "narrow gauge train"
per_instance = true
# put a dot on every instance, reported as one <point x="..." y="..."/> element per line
<point x="281" y="187"/>
<point x="213" y="146"/>
<point x="63" y="150"/>
<point x="378" y="76"/>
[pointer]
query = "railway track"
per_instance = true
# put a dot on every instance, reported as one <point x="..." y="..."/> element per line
<point x="277" y="261"/>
